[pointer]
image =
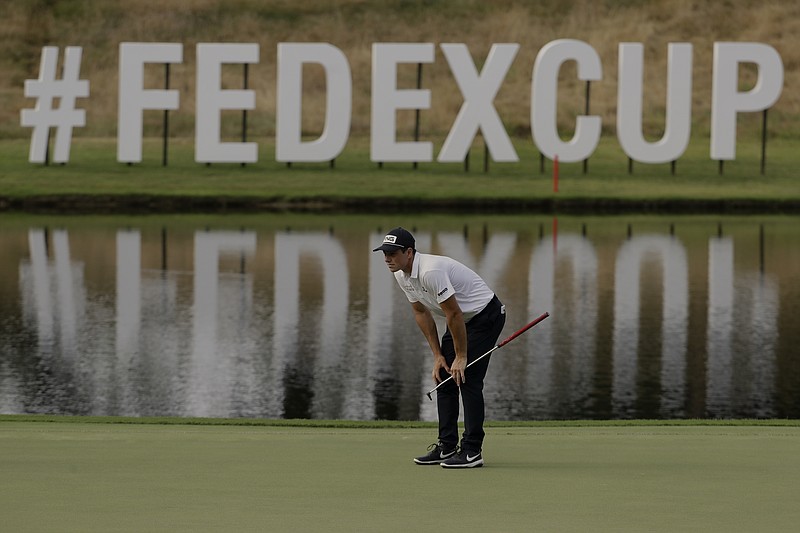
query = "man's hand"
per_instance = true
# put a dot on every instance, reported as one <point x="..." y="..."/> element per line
<point x="438" y="364"/>
<point x="458" y="330"/>
<point x="458" y="369"/>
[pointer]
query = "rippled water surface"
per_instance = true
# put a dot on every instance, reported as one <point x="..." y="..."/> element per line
<point x="293" y="316"/>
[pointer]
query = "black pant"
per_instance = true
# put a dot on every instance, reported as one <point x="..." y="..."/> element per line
<point x="483" y="331"/>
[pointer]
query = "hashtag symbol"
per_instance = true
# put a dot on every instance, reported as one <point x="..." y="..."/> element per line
<point x="46" y="89"/>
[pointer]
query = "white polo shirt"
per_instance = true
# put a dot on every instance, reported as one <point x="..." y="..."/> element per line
<point x="435" y="278"/>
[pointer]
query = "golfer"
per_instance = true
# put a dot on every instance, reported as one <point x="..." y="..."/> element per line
<point x="438" y="285"/>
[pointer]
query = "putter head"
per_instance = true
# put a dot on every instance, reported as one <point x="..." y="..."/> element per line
<point x="429" y="396"/>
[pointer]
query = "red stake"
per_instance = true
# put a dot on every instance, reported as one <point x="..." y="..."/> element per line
<point x="555" y="174"/>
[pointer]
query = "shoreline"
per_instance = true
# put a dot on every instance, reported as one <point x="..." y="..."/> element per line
<point x="165" y="204"/>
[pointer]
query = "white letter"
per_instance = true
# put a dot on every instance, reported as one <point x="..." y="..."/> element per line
<point x="129" y="293"/>
<point x="538" y="376"/>
<point x="133" y="98"/>
<point x="497" y="253"/>
<point x="330" y="325"/>
<point x="211" y="100"/>
<point x="720" y="325"/>
<point x="288" y="120"/>
<point x="679" y="104"/>
<point x="544" y="127"/>
<point x="207" y="391"/>
<point x="674" y="325"/>
<point x="38" y="276"/>
<point x="477" y="111"/>
<point x="387" y="99"/>
<point x="727" y="100"/>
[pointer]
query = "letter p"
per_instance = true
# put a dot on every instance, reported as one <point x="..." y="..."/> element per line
<point x="728" y="101"/>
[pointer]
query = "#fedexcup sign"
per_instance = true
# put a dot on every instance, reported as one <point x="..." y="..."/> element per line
<point x="477" y="113"/>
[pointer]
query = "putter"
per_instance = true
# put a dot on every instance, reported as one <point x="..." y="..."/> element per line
<point x="519" y="332"/>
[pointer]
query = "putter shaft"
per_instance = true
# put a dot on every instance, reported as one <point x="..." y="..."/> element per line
<point x="451" y="377"/>
<point x="516" y="334"/>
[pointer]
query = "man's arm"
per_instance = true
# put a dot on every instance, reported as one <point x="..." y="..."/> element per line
<point x="427" y="325"/>
<point x="458" y="330"/>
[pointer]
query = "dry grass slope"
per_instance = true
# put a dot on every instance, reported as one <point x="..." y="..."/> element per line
<point x="353" y="25"/>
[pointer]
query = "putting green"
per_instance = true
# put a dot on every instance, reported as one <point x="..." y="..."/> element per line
<point x="112" y="477"/>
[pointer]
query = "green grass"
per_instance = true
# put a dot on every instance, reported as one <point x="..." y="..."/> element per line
<point x="94" y="178"/>
<point x="89" y="475"/>
<point x="381" y="424"/>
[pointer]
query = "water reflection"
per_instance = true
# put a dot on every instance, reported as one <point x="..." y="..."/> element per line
<point x="742" y="318"/>
<point x="307" y="323"/>
<point x="667" y="254"/>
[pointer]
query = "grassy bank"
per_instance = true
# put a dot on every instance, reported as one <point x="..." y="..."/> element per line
<point x="353" y="25"/>
<point x="386" y="424"/>
<point x="93" y="180"/>
<point x="104" y="477"/>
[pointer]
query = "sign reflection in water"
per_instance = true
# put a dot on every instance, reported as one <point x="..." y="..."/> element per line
<point x="306" y="323"/>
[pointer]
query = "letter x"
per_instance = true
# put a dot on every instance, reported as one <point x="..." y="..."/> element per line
<point x="477" y="111"/>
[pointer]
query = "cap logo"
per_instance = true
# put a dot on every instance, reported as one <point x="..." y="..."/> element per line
<point x="390" y="239"/>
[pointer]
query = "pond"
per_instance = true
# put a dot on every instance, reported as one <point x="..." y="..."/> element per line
<point x="287" y="315"/>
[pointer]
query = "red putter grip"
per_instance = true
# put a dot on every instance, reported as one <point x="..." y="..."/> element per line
<point x="524" y="329"/>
